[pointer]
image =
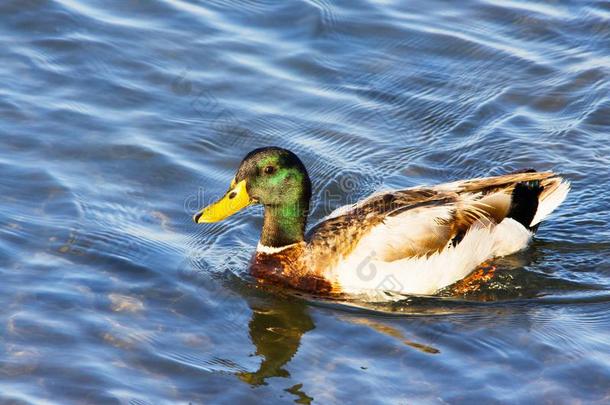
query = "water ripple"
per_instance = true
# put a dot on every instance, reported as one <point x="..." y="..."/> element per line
<point x="120" y="119"/>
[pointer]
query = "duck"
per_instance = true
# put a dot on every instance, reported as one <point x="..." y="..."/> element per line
<point x="411" y="241"/>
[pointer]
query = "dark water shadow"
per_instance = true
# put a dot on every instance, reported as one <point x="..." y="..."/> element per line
<point x="276" y="328"/>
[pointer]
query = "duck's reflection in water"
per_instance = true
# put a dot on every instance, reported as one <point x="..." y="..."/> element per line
<point x="392" y="332"/>
<point x="276" y="328"/>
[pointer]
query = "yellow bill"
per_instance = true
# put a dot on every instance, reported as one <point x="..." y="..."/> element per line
<point x="234" y="200"/>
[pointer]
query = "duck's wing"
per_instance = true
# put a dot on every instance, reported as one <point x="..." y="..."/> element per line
<point x="393" y="225"/>
<point x="421" y="221"/>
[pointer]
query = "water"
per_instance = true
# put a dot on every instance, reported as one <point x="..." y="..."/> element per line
<point x="119" y="118"/>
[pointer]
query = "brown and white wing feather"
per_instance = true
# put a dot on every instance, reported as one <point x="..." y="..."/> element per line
<point x="394" y="225"/>
<point x="420" y="221"/>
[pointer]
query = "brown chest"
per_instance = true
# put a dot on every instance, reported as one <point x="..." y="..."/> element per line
<point x="288" y="268"/>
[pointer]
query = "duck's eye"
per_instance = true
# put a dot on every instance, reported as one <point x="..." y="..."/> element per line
<point x="269" y="170"/>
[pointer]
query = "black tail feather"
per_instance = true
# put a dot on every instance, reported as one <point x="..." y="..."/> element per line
<point x="525" y="203"/>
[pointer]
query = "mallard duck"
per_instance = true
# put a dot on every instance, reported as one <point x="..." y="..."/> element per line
<point x="411" y="241"/>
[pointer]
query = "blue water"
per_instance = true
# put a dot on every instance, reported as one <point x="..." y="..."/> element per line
<point x="118" y="119"/>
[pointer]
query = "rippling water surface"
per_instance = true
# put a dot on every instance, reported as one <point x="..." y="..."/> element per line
<point x="119" y="118"/>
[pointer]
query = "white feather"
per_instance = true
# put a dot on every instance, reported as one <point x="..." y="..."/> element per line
<point x="270" y="249"/>
<point x="510" y="237"/>
<point x="550" y="202"/>
<point x="406" y="231"/>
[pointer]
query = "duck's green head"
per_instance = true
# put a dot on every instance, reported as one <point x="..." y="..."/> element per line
<point x="273" y="177"/>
